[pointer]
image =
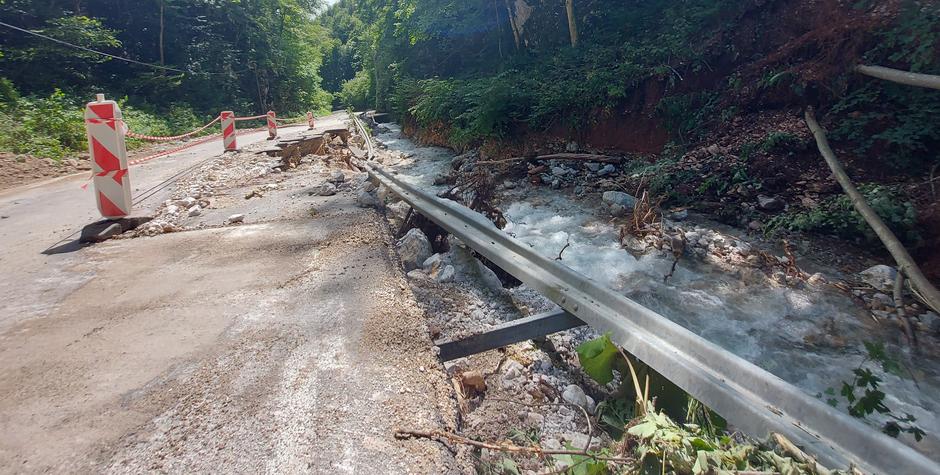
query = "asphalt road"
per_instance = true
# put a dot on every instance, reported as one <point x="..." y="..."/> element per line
<point x="291" y="343"/>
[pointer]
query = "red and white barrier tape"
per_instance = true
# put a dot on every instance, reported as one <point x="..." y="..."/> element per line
<point x="240" y="119"/>
<point x="170" y="139"/>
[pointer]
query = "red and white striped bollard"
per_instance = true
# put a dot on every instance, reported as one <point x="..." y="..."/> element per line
<point x="310" y="120"/>
<point x="228" y="131"/>
<point x="272" y="126"/>
<point x="105" y="128"/>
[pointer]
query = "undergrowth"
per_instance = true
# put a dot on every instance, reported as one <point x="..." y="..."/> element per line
<point x="836" y="216"/>
<point x="53" y="127"/>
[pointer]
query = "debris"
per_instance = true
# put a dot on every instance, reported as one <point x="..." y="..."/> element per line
<point x="881" y="277"/>
<point x="433" y="263"/>
<point x="235" y="219"/>
<point x="472" y="383"/>
<point x="573" y="394"/>
<point x="414" y="248"/>
<point x="619" y="198"/>
<point x="770" y="203"/>
<point x="446" y="274"/>
<point x="324" y="189"/>
<point x="337" y="176"/>
<point x="366" y="200"/>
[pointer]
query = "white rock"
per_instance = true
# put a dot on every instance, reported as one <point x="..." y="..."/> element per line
<point x="534" y="418"/>
<point x="488" y="277"/>
<point x="337" y="176"/>
<point x="446" y="274"/>
<point x="398" y="210"/>
<point x="880" y="277"/>
<point x="187" y="202"/>
<point x="414" y="248"/>
<point x="236" y="218"/>
<point x="195" y="211"/>
<point x="619" y="198"/>
<point x="512" y="369"/>
<point x="366" y="200"/>
<point x="172" y="209"/>
<point x="417" y="274"/>
<point x="432" y="263"/>
<point x="573" y="394"/>
<point x="324" y="189"/>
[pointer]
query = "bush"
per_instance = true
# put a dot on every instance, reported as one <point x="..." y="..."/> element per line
<point x="54" y="127"/>
<point x="356" y="92"/>
<point x="838" y="217"/>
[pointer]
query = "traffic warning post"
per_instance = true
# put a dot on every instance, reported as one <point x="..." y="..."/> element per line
<point x="105" y="128"/>
<point x="272" y="126"/>
<point x="310" y="120"/>
<point x="228" y="130"/>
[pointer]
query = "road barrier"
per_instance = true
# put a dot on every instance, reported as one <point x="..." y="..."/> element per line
<point x="105" y="128"/>
<point x="272" y="125"/>
<point x="228" y="131"/>
<point x="754" y="400"/>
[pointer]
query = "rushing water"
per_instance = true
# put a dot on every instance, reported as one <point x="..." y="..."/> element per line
<point x="766" y="324"/>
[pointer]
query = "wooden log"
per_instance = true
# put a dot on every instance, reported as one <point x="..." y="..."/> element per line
<point x="901" y="77"/>
<point x="906" y="264"/>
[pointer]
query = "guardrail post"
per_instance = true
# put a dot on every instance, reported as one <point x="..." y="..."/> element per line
<point x="228" y="131"/>
<point x="272" y="126"/>
<point x="105" y="128"/>
<point x="310" y="120"/>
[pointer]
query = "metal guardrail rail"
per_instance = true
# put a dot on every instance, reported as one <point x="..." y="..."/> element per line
<point x="753" y="399"/>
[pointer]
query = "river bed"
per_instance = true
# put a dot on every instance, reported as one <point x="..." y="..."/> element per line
<point x="765" y="323"/>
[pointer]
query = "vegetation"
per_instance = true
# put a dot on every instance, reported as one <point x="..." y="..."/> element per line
<point x="836" y="216"/>
<point x="248" y="57"/>
<point x="698" y="444"/>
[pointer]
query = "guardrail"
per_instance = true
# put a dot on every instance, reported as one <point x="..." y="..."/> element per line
<point x="751" y="398"/>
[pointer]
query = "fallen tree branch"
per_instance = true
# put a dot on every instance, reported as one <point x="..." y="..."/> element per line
<point x="440" y="435"/>
<point x="906" y="264"/>
<point x="901" y="77"/>
<point x="590" y="157"/>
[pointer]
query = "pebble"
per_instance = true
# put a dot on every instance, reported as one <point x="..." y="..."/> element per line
<point x="573" y="394"/>
<point x="236" y="218"/>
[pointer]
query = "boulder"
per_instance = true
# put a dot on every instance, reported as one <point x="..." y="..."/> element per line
<point x="433" y="263"/>
<point x="593" y="166"/>
<point x="770" y="203"/>
<point x="337" y="176"/>
<point x="619" y="198"/>
<point x="414" y="248"/>
<point x="606" y="170"/>
<point x="324" y="189"/>
<point x="235" y="219"/>
<point x="446" y="274"/>
<point x="195" y="211"/>
<point x="366" y="200"/>
<point x="880" y="277"/>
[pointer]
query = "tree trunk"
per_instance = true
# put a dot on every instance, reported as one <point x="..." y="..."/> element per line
<point x="512" y="25"/>
<point x="900" y="77"/>
<point x="162" y="9"/>
<point x="906" y="264"/>
<point x="572" y="24"/>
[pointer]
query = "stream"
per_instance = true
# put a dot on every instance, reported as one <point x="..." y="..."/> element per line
<point x="766" y="324"/>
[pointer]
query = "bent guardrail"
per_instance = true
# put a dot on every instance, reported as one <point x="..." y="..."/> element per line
<point x="753" y="399"/>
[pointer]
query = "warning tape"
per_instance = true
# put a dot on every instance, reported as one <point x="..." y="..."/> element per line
<point x="262" y="116"/>
<point x="171" y="138"/>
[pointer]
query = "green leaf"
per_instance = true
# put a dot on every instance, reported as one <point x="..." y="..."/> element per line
<point x="598" y="357"/>
<point x="644" y="430"/>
